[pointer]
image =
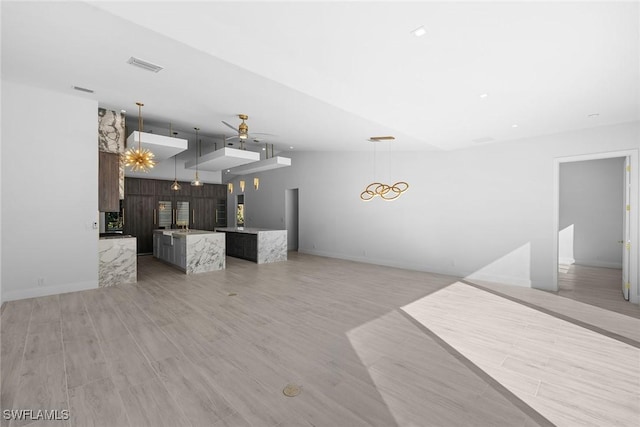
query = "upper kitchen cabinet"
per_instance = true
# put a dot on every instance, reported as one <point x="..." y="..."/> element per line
<point x="108" y="182"/>
<point x="141" y="186"/>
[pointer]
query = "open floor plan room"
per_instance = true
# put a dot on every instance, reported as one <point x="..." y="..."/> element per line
<point x="361" y="344"/>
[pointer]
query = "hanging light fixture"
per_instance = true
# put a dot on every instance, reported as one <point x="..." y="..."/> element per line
<point x="384" y="191"/>
<point x="256" y="183"/>
<point x="243" y="129"/>
<point x="196" y="182"/>
<point x="140" y="159"/>
<point x="175" y="186"/>
<point x="242" y="186"/>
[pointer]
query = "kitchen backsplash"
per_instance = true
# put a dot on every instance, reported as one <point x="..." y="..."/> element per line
<point x="112" y="138"/>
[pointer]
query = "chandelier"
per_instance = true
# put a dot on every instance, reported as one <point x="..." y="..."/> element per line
<point x="139" y="159"/>
<point x="378" y="189"/>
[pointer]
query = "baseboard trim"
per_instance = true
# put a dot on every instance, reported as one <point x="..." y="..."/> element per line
<point x="566" y="261"/>
<point x="596" y="263"/>
<point x="382" y="262"/>
<point x="49" y="290"/>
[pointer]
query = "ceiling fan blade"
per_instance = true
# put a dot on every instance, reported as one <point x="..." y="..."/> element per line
<point x="227" y="124"/>
<point x="231" y="137"/>
<point x="260" y="133"/>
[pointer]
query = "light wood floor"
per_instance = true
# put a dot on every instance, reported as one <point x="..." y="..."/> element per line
<point x="569" y="374"/>
<point x="596" y="286"/>
<point x="216" y="349"/>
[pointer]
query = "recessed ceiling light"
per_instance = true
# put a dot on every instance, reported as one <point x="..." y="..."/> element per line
<point x="484" y="95"/>
<point x="228" y="170"/>
<point x="123" y="111"/>
<point x="593" y="115"/>
<point x="291" y="147"/>
<point x="514" y="126"/>
<point x="263" y="149"/>
<point x="420" y="31"/>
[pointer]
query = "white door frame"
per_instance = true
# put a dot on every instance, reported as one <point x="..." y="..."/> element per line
<point x="633" y="225"/>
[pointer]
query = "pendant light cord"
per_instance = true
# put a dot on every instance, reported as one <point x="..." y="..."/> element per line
<point x="139" y="124"/>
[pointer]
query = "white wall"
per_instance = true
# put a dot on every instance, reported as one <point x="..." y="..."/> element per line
<point x="488" y="209"/>
<point x="591" y="199"/>
<point x="49" y="192"/>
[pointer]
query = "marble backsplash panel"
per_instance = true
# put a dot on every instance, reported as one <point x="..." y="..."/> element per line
<point x="112" y="138"/>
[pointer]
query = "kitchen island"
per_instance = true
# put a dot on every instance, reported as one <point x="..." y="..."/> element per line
<point x="260" y="245"/>
<point x="118" y="262"/>
<point x="192" y="251"/>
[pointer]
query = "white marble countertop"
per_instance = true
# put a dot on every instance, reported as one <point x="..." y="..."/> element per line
<point x="178" y="232"/>
<point x="248" y="230"/>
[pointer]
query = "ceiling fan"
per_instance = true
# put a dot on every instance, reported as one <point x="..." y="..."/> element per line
<point x="243" y="131"/>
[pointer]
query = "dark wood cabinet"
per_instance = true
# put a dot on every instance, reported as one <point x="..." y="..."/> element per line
<point x="163" y="188"/>
<point x="148" y="186"/>
<point x="150" y="204"/>
<point x="242" y="245"/>
<point x="203" y="213"/>
<point x="108" y="182"/>
<point x="221" y="212"/>
<point x="139" y="218"/>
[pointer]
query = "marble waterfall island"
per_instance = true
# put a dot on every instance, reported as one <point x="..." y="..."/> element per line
<point x="192" y="251"/>
<point x="260" y="245"/>
<point x="117" y="260"/>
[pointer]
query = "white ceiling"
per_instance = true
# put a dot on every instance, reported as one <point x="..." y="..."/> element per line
<point x="328" y="75"/>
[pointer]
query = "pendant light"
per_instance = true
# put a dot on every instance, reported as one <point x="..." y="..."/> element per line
<point x="175" y="186"/>
<point x="140" y="159"/>
<point x="196" y="182"/>
<point x="384" y="191"/>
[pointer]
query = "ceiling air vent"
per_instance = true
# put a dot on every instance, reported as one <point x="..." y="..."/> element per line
<point x="144" y="64"/>
<point x="83" y="89"/>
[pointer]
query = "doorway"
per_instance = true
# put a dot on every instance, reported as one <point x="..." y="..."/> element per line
<point x="596" y="218"/>
<point x="291" y="218"/>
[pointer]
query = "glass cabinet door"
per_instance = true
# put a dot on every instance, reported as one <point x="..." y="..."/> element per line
<point x="182" y="214"/>
<point x="165" y="213"/>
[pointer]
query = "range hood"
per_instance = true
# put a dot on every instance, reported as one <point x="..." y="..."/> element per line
<point x="261" y="166"/>
<point x="224" y="158"/>
<point x="162" y="147"/>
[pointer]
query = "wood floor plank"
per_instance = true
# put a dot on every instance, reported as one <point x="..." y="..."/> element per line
<point x="12" y="347"/>
<point x="42" y="387"/>
<point x="149" y="404"/>
<point x="84" y="361"/>
<point x="43" y="340"/>
<point x="202" y="404"/>
<point x="108" y="325"/>
<point x="97" y="404"/>
<point x="15" y="316"/>
<point x="126" y="363"/>
<point x="46" y="309"/>
<point x="152" y="340"/>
